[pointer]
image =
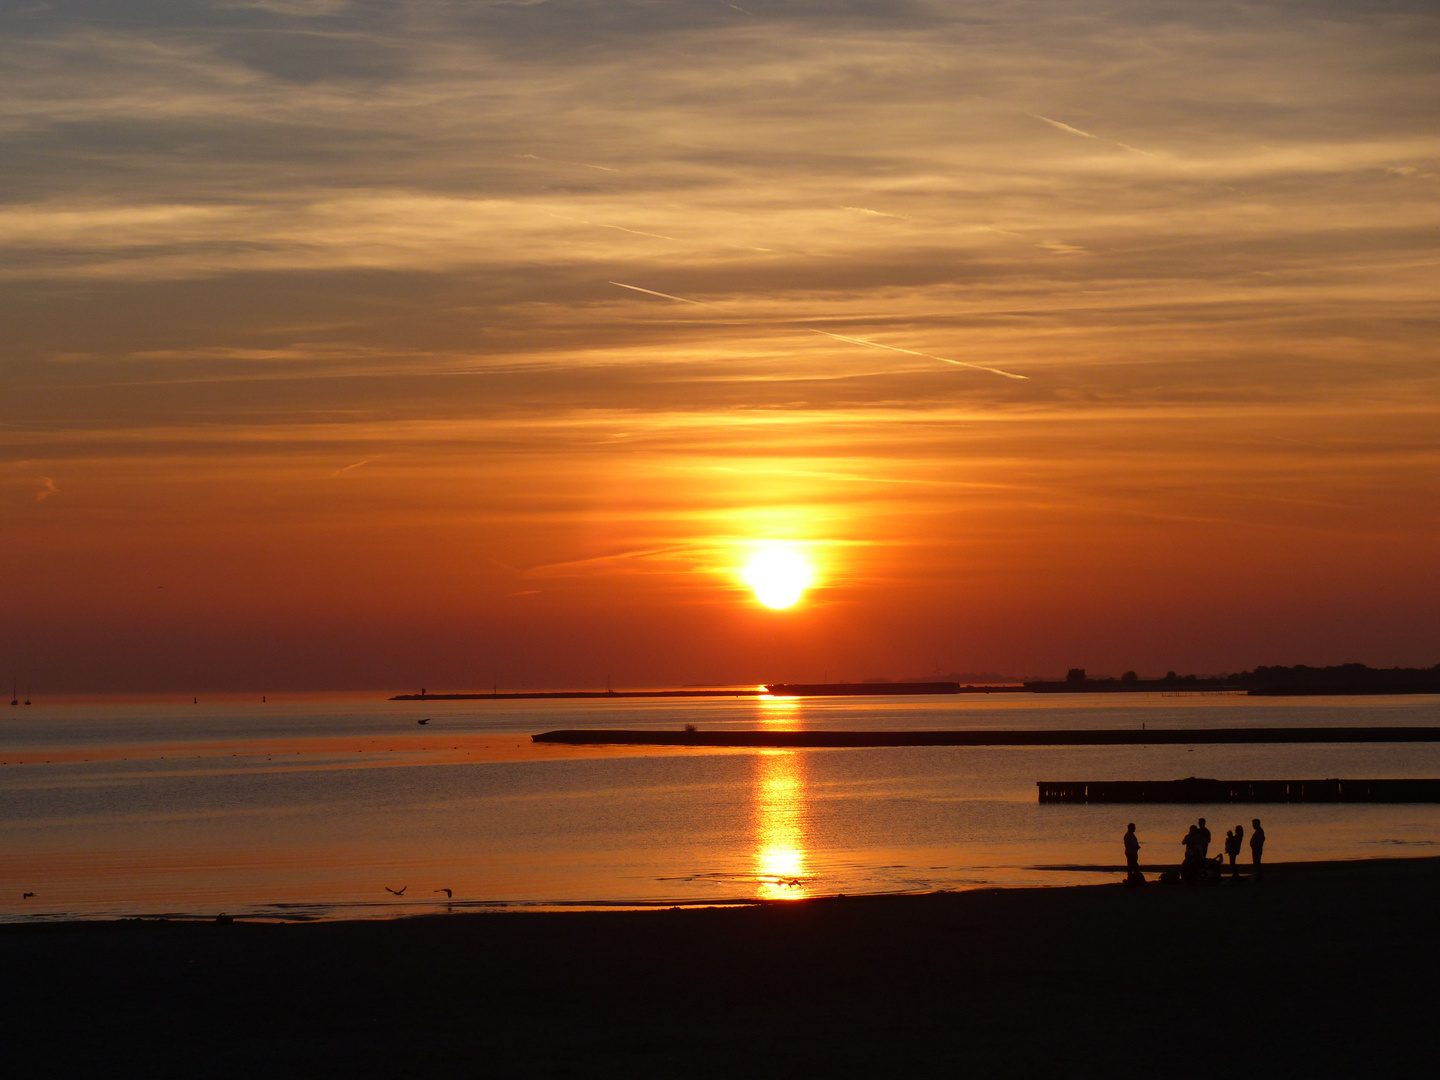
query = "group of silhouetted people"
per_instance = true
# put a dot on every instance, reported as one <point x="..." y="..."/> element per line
<point x="1198" y="866"/>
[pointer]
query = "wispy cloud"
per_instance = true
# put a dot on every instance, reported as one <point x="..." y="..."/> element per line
<point x="873" y="213"/>
<point x="605" y="563"/>
<point x="304" y="8"/>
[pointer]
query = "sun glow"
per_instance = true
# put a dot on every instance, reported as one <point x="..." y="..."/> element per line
<point x="778" y="574"/>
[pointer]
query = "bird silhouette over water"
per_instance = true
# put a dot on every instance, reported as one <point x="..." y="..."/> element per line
<point x="27" y="896"/>
<point x="447" y="892"/>
<point x="398" y="892"/>
<point x="425" y="721"/>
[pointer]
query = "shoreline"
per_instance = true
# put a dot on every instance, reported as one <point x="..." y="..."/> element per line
<point x="1311" y="870"/>
<point x="1325" y="969"/>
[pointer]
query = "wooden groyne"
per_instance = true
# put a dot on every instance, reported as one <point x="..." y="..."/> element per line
<point x="992" y="737"/>
<point x="1195" y="789"/>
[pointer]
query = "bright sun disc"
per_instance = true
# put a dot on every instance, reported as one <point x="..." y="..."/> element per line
<point x="778" y="576"/>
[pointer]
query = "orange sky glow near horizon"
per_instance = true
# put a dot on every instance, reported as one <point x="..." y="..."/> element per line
<point x="353" y="345"/>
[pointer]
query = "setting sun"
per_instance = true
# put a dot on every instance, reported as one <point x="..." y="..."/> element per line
<point x="779" y="575"/>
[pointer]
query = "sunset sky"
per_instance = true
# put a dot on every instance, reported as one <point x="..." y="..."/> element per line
<point x="1050" y="334"/>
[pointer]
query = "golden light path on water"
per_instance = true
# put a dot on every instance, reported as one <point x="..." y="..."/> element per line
<point x="780" y="810"/>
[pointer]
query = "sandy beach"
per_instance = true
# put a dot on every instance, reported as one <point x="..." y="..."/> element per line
<point x="1325" y="969"/>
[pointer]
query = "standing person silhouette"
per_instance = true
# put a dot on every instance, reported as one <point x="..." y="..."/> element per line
<point x="1204" y="839"/>
<point x="1257" y="845"/>
<point x="1132" y="854"/>
<point x="1191" y="868"/>
<point x="1232" y="848"/>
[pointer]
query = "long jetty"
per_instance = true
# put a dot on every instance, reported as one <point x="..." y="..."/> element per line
<point x="1200" y="790"/>
<point x="551" y="695"/>
<point x="893" y="689"/>
<point x="992" y="737"/>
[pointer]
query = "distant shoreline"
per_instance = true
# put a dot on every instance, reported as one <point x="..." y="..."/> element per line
<point x="1300" y="681"/>
<point x="895" y="689"/>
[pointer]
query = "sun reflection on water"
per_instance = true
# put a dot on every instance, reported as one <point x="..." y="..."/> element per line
<point x="780" y="856"/>
<point x="778" y="713"/>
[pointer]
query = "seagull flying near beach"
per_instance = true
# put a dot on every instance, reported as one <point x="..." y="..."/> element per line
<point x="398" y="892"/>
<point x="425" y="721"/>
<point x="26" y="896"/>
<point x="447" y="892"/>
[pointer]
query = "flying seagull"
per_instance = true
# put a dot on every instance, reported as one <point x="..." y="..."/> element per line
<point x="27" y="895"/>
<point x="447" y="892"/>
<point x="425" y="721"/>
<point x="398" y="892"/>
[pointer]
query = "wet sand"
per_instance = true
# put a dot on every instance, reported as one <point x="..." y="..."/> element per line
<point x="1323" y="970"/>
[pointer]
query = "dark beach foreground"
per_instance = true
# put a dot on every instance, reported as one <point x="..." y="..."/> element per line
<point x="1323" y="970"/>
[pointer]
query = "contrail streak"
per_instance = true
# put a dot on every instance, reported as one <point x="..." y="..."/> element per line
<point x="841" y="337"/>
<point x="1086" y="135"/>
<point x="911" y="352"/>
<point x="632" y="232"/>
<point x="666" y="295"/>
<point x="602" y="225"/>
<point x="562" y="161"/>
<point x="347" y="468"/>
<point x="1063" y="127"/>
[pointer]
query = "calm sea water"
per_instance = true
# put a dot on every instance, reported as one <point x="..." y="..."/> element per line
<point x="311" y="807"/>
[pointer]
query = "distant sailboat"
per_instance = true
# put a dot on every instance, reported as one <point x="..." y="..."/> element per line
<point x="27" y="695"/>
<point x="15" y="693"/>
